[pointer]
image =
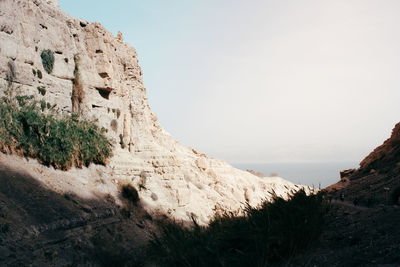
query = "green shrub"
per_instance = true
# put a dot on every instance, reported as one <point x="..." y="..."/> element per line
<point x="42" y="105"/>
<point x="34" y="72"/>
<point x="266" y="235"/>
<point x="41" y="90"/>
<point x="39" y="74"/>
<point x="130" y="193"/>
<point x="59" y="141"/>
<point x="47" y="60"/>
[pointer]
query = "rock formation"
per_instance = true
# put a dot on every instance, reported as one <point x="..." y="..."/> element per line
<point x="97" y="76"/>
<point x="378" y="177"/>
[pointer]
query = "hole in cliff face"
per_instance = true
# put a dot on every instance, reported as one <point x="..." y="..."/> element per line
<point x="104" y="92"/>
<point x="6" y="28"/>
<point x="83" y="24"/>
<point x="114" y="125"/>
<point x="103" y="74"/>
<point x="43" y="26"/>
<point x="58" y="52"/>
<point x="99" y="51"/>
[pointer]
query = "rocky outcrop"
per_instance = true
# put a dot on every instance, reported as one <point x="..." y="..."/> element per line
<point x="385" y="156"/>
<point x="378" y="177"/>
<point x="98" y="76"/>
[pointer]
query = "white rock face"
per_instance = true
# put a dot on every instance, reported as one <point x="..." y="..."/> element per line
<point x="98" y="76"/>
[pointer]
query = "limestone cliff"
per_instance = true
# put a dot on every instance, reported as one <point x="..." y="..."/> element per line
<point x="98" y="76"/>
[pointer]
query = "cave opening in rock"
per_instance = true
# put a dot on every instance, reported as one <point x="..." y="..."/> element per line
<point x="104" y="92"/>
<point x="103" y="74"/>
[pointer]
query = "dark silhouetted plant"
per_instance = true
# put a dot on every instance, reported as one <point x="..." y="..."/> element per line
<point x="130" y="193"/>
<point x="395" y="195"/>
<point x="268" y="234"/>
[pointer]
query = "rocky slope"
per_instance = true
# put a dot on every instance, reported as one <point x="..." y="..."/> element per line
<point x="41" y="225"/>
<point x="356" y="236"/>
<point x="97" y="76"/>
<point x="378" y="176"/>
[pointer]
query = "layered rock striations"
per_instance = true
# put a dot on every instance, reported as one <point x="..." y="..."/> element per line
<point x="97" y="76"/>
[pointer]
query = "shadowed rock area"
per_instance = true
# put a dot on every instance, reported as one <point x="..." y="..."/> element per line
<point x="40" y="226"/>
<point x="377" y="180"/>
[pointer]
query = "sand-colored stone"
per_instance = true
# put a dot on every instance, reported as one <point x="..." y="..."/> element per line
<point x="185" y="182"/>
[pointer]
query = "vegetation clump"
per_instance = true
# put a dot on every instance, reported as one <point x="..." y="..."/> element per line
<point x="41" y="90"/>
<point x="59" y="141"/>
<point x="47" y="60"/>
<point x="130" y="193"/>
<point x="267" y="235"/>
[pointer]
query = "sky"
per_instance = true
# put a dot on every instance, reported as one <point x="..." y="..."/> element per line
<point x="265" y="81"/>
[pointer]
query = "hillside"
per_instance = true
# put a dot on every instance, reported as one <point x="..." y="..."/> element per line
<point x="152" y="187"/>
<point x="377" y="180"/>
<point x="81" y="68"/>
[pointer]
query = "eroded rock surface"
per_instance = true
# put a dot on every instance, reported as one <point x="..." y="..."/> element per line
<point x="98" y="76"/>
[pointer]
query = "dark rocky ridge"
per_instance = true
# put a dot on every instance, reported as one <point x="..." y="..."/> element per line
<point x="378" y="176"/>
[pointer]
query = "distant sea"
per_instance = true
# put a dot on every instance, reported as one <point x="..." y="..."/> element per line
<point x="311" y="174"/>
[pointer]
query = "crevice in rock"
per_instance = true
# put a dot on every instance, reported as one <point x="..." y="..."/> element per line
<point x="64" y="78"/>
<point x="99" y="51"/>
<point x="30" y="62"/>
<point x="104" y="92"/>
<point x="103" y="74"/>
<point x="77" y="90"/>
<point x="7" y="29"/>
<point x="43" y="26"/>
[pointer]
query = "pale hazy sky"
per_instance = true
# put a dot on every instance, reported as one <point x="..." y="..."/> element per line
<point x="265" y="81"/>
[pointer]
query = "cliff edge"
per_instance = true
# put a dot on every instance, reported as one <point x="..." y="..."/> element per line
<point x="97" y="76"/>
<point x="377" y="180"/>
